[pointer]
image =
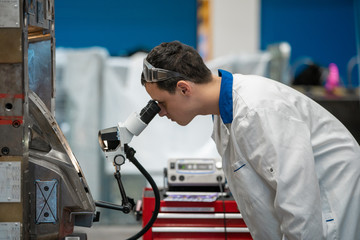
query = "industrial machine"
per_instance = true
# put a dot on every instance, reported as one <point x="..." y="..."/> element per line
<point x="194" y="173"/>
<point x="43" y="192"/>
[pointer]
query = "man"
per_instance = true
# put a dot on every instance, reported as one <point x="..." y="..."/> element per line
<point x="293" y="169"/>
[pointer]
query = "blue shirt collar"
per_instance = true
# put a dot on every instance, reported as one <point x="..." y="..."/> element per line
<point x="226" y="100"/>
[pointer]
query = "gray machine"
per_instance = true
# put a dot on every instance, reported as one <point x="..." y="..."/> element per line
<point x="194" y="173"/>
<point x="43" y="192"/>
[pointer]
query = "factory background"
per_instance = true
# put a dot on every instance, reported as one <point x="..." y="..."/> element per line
<point x="100" y="47"/>
<point x="322" y="30"/>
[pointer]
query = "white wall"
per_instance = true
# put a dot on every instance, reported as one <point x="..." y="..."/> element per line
<point x="235" y="26"/>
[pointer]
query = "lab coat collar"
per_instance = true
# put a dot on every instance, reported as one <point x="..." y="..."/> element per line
<point x="226" y="100"/>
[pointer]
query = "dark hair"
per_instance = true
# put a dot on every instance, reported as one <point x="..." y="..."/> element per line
<point x="181" y="58"/>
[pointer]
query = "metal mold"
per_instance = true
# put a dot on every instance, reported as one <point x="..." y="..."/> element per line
<point x="54" y="165"/>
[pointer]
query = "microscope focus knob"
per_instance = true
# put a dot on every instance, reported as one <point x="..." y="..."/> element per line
<point x="119" y="160"/>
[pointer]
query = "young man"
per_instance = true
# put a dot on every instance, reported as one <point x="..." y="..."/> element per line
<point x="293" y="169"/>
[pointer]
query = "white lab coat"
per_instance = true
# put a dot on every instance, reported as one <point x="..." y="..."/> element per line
<point x="294" y="169"/>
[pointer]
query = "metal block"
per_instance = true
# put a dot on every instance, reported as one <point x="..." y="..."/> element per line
<point x="11" y="45"/>
<point x="49" y="13"/>
<point x="11" y="80"/>
<point x="11" y="110"/>
<point x="11" y="141"/>
<point x="11" y="90"/>
<point x="31" y="7"/>
<point x="9" y="14"/>
<point x="40" y="12"/>
<point x="46" y="201"/>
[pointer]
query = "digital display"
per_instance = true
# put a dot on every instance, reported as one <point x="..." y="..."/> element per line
<point x="194" y="172"/>
<point x="195" y="166"/>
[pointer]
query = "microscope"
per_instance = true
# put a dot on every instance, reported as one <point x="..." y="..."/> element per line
<point x="114" y="143"/>
<point x="114" y="140"/>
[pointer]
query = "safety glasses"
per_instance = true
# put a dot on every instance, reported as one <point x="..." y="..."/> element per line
<point x="153" y="74"/>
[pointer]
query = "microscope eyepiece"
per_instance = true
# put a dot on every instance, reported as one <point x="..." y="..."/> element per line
<point x="111" y="138"/>
<point x="149" y="111"/>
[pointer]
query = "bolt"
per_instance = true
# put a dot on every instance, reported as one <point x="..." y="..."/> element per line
<point x="46" y="214"/>
<point x="16" y="123"/>
<point x="46" y="188"/>
<point x="5" y="150"/>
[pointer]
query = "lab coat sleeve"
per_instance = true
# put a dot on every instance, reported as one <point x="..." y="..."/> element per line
<point x="279" y="149"/>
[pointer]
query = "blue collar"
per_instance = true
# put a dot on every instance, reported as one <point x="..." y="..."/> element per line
<point x="226" y="100"/>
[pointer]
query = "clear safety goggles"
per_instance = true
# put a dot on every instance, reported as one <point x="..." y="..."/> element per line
<point x="153" y="74"/>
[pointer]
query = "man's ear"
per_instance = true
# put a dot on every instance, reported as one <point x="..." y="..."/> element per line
<point x="184" y="87"/>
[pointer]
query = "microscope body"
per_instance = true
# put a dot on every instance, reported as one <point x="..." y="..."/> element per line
<point x="113" y="140"/>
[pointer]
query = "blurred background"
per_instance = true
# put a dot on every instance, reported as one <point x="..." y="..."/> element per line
<point x="101" y="46"/>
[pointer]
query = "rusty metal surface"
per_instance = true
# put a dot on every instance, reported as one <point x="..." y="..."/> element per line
<point x="11" y="45"/>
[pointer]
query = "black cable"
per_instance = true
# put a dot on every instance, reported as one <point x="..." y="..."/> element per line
<point x="130" y="152"/>
<point x="223" y="203"/>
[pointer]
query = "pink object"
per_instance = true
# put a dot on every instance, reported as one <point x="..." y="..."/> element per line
<point x="332" y="80"/>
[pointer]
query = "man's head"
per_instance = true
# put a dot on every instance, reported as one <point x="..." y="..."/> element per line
<point x="180" y="58"/>
<point x="179" y="69"/>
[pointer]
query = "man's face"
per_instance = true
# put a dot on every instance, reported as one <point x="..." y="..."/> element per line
<point x="175" y="106"/>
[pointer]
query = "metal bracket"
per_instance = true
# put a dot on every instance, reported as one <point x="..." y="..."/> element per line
<point x="40" y="12"/>
<point x="46" y="201"/>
